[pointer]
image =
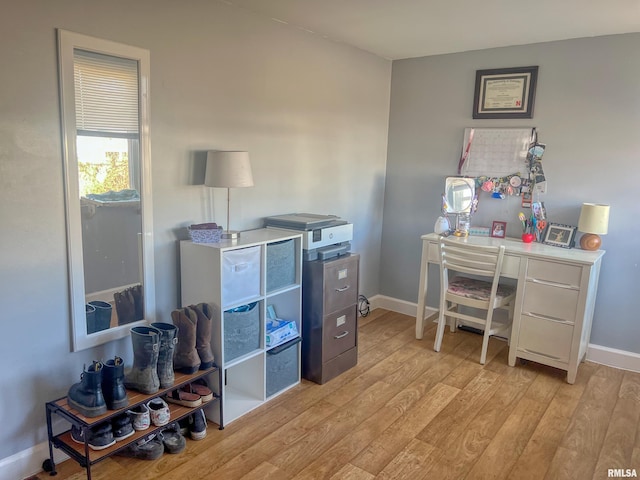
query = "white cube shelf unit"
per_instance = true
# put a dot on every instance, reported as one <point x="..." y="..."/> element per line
<point x="240" y="278"/>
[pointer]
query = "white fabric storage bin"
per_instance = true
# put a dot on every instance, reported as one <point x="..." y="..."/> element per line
<point x="241" y="275"/>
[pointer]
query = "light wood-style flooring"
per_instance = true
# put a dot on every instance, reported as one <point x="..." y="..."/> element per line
<point x="407" y="412"/>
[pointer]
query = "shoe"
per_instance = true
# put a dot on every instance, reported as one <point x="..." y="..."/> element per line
<point x="122" y="427"/>
<point x="86" y="396"/>
<point x="180" y="396"/>
<point x="159" y="412"/>
<point x="149" y="448"/>
<point x="184" y="425"/>
<point x="199" y="387"/>
<point x="172" y="439"/>
<point x="198" y="426"/>
<point x="140" y="417"/>
<point x="98" y="437"/>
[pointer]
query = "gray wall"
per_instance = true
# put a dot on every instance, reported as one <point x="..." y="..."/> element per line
<point x="313" y="115"/>
<point x="587" y="111"/>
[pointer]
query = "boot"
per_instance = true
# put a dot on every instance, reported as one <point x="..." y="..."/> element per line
<point x="186" y="359"/>
<point x="103" y="314"/>
<point x="138" y="301"/>
<point x="125" y="306"/>
<point x="168" y="340"/>
<point x="144" y="374"/>
<point x="204" y="311"/>
<point x="86" y="396"/>
<point x="113" y="389"/>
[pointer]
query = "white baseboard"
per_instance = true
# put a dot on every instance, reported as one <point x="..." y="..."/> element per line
<point x="614" y="357"/>
<point x="595" y="353"/>
<point x="28" y="463"/>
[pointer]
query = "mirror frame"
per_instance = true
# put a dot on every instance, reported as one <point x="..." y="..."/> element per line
<point x="450" y="182"/>
<point x="67" y="42"/>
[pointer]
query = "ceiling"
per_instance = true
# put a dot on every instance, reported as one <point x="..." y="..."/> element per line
<point x="397" y="29"/>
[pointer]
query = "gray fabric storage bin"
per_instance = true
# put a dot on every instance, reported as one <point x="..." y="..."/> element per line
<point x="241" y="331"/>
<point x="281" y="264"/>
<point x="282" y="366"/>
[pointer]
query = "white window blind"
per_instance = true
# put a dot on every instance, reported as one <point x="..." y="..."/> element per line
<point x="106" y="92"/>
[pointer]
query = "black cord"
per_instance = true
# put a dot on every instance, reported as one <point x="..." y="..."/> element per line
<point x="363" y="306"/>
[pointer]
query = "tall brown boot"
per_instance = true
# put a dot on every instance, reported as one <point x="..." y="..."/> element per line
<point x="186" y="359"/>
<point x="204" y="311"/>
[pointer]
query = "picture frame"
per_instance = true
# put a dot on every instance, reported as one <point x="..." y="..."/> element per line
<point x="498" y="229"/>
<point x="505" y="92"/>
<point x="559" y="235"/>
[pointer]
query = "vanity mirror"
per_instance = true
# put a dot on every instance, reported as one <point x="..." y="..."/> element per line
<point x="105" y="123"/>
<point x="459" y="195"/>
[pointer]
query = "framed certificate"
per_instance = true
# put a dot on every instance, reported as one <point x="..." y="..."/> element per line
<point x="505" y="92"/>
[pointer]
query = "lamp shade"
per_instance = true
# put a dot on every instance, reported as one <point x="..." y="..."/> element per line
<point x="228" y="170"/>
<point x="594" y="218"/>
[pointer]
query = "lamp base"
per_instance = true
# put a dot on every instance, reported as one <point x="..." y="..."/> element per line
<point x="230" y="235"/>
<point x="590" y="241"/>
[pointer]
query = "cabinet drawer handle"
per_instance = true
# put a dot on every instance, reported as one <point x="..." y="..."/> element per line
<point x="554" y="284"/>
<point x="343" y="289"/>
<point x="542" y="354"/>
<point x="547" y="317"/>
<point x="342" y="335"/>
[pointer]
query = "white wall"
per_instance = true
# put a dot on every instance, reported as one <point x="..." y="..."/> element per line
<point x="587" y="111"/>
<point x="313" y="115"/>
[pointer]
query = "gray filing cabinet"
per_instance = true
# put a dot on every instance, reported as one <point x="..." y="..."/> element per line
<point x="330" y="317"/>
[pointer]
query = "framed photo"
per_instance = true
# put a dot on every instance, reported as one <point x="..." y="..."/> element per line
<point x="560" y="235"/>
<point x="505" y="92"/>
<point x="499" y="229"/>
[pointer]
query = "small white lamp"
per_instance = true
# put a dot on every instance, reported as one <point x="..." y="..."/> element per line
<point x="594" y="221"/>
<point x="228" y="170"/>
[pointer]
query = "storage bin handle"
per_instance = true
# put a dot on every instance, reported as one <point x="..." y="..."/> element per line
<point x="284" y="346"/>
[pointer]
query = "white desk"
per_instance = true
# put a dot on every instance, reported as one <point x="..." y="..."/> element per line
<point x="555" y="298"/>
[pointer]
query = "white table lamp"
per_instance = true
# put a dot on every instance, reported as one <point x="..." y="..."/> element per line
<point x="594" y="221"/>
<point x="228" y="170"/>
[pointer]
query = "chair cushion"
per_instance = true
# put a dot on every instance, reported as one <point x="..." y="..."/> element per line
<point x="477" y="289"/>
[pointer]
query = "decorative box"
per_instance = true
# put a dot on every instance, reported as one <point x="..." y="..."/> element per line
<point x="205" y="233"/>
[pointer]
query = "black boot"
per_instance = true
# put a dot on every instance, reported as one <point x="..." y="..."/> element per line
<point x="86" y="396"/>
<point x="144" y="374"/>
<point x="168" y="340"/>
<point x="115" y="395"/>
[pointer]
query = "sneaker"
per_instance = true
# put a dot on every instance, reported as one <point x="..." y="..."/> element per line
<point x="198" y="426"/>
<point x="149" y="448"/>
<point x="140" y="416"/>
<point x="184" y="425"/>
<point x="122" y="427"/>
<point x="172" y="439"/>
<point x="98" y="437"/>
<point x="159" y="412"/>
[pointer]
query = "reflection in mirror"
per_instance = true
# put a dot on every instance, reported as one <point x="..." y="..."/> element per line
<point x="459" y="194"/>
<point x="104" y="99"/>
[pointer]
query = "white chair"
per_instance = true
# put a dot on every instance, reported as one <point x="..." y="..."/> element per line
<point x="479" y="261"/>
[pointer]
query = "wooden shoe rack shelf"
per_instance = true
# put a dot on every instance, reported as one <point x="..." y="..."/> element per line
<point x="87" y="457"/>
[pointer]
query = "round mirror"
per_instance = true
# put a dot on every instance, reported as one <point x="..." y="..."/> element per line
<point x="459" y="193"/>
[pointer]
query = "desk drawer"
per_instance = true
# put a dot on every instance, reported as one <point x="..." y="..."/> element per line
<point x="554" y="272"/>
<point x="339" y="332"/>
<point x="550" y="301"/>
<point x="545" y="337"/>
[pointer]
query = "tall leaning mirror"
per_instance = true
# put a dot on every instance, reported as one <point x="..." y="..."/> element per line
<point x="105" y="123"/>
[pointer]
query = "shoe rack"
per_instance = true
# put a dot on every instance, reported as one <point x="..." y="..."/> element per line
<point x="242" y="279"/>
<point x="87" y="457"/>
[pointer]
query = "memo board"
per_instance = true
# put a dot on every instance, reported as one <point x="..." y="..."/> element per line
<point x="495" y="152"/>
